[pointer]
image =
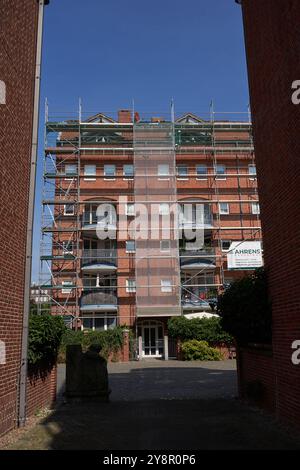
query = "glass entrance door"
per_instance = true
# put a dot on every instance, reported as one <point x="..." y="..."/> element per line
<point x="153" y="341"/>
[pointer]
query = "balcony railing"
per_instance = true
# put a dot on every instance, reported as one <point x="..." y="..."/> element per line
<point x="198" y="257"/>
<point x="99" y="256"/>
<point x="193" y="223"/>
<point x="98" y="299"/>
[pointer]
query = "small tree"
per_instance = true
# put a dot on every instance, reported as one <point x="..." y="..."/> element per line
<point x="245" y="309"/>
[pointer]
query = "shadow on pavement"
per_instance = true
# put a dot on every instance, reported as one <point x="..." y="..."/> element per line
<point x="166" y="408"/>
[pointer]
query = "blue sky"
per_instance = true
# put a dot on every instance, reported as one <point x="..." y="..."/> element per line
<point x="109" y="53"/>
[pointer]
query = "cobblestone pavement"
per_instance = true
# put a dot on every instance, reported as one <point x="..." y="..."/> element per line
<point x="161" y="405"/>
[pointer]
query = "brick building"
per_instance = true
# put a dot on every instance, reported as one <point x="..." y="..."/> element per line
<point x="273" y="50"/>
<point x="18" y="37"/>
<point x="154" y="162"/>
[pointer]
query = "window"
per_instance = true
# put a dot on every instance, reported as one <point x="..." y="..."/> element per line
<point x="182" y="171"/>
<point x="130" y="209"/>
<point x="163" y="170"/>
<point x="130" y="246"/>
<point x="255" y="208"/>
<point x="109" y="171"/>
<point x="69" y="209"/>
<point x="166" y="285"/>
<point x="67" y="247"/>
<point x="90" y="172"/>
<point x="128" y="171"/>
<point x="225" y="245"/>
<point x="165" y="245"/>
<point x="221" y="172"/>
<point x="201" y="171"/>
<point x="224" y="208"/>
<point x="66" y="283"/>
<point x="94" y="321"/>
<point x="252" y="170"/>
<point x="71" y="169"/>
<point x="130" y="285"/>
<point x="164" y="209"/>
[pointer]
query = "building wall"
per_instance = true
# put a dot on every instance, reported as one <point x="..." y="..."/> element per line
<point x="18" y="28"/>
<point x="256" y="377"/>
<point x="273" y="50"/>
<point x="238" y="185"/>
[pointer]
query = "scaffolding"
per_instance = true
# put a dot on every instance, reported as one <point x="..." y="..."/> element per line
<point x="69" y="256"/>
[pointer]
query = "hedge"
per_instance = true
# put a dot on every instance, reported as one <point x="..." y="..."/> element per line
<point x="201" y="329"/>
<point x="111" y="341"/>
<point x="194" y="350"/>
<point x="44" y="338"/>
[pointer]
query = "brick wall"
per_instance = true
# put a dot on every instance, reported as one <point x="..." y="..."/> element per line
<point x="18" y="27"/>
<point x="273" y="50"/>
<point x="256" y="377"/>
<point x="41" y="391"/>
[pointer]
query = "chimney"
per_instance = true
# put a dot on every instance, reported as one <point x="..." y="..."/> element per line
<point x="124" y="115"/>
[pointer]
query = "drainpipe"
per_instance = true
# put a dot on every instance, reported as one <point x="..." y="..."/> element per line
<point x="28" y="259"/>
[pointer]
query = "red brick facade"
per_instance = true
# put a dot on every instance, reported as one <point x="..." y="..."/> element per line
<point x="256" y="377"/>
<point x="18" y="34"/>
<point x="273" y="51"/>
<point x="77" y="158"/>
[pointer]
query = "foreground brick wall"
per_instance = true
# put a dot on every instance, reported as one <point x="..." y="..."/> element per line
<point x="257" y="367"/>
<point x="41" y="391"/>
<point x="273" y="51"/>
<point x="18" y="27"/>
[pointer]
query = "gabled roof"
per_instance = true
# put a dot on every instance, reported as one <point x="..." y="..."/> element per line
<point x="189" y="118"/>
<point x="100" y="117"/>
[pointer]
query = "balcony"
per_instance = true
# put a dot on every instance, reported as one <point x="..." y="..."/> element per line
<point x="95" y="301"/>
<point x="94" y="261"/>
<point x="190" y="222"/>
<point x="90" y="223"/>
<point x="197" y="260"/>
<point x="193" y="304"/>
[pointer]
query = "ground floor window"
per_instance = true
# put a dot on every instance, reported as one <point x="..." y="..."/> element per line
<point x="95" y="321"/>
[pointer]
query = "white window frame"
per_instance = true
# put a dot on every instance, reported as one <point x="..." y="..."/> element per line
<point x="255" y="208"/>
<point x="162" y="175"/>
<point x="202" y="176"/>
<point x="65" y="249"/>
<point x="126" y="177"/>
<point x="182" y="177"/>
<point x="224" y="212"/>
<point x="68" y="213"/>
<point x="220" y="176"/>
<point x="130" y="285"/>
<point x="130" y="250"/>
<point x="88" y="174"/>
<point x="130" y="212"/>
<point x="70" y="176"/>
<point x="166" y="285"/>
<point x="252" y="176"/>
<point x="109" y="177"/>
<point x="225" y="250"/>
<point x="162" y="211"/>
<point x="93" y="317"/>
<point x="66" y="283"/>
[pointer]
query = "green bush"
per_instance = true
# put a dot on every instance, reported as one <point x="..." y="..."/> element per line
<point x="111" y="341"/>
<point x="245" y="310"/>
<point x="201" y="329"/>
<point x="44" y="337"/>
<point x="194" y="350"/>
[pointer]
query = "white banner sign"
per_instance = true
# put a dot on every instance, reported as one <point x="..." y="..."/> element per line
<point x="244" y="255"/>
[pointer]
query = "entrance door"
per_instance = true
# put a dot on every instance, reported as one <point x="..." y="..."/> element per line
<point x="153" y="341"/>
